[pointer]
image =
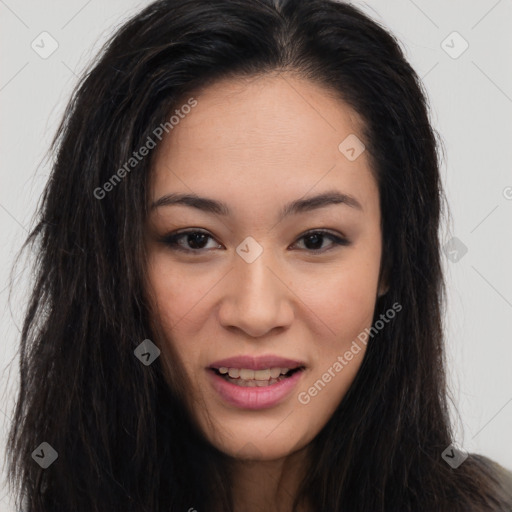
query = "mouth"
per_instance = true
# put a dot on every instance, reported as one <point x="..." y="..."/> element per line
<point x="255" y="383"/>
<point x="245" y="377"/>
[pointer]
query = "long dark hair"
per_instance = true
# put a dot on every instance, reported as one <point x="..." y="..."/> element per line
<point x="123" y="435"/>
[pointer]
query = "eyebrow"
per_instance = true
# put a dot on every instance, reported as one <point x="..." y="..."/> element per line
<point x="215" y="207"/>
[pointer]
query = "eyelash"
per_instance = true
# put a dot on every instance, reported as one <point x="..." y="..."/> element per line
<point x="171" y="240"/>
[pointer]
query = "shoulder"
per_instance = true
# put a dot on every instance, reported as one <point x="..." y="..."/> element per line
<point x="501" y="477"/>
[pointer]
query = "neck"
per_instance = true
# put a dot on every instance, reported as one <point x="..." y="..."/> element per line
<point x="263" y="485"/>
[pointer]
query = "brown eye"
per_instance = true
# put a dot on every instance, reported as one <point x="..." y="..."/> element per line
<point x="314" y="240"/>
<point x="196" y="241"/>
<point x="187" y="241"/>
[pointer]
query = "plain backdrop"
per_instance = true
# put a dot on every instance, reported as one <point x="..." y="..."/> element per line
<point x="461" y="50"/>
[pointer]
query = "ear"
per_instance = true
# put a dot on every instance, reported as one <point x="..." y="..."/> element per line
<point x="383" y="287"/>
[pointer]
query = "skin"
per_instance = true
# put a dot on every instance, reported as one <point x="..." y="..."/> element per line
<point x="258" y="144"/>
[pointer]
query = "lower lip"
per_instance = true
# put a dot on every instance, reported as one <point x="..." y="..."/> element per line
<point x="254" y="397"/>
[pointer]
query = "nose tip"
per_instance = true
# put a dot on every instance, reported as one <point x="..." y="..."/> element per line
<point x="258" y="300"/>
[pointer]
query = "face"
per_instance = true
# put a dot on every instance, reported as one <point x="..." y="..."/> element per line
<point x="269" y="275"/>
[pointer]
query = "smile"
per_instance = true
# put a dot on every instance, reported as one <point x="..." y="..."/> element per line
<point x="249" y="389"/>
<point x="244" y="376"/>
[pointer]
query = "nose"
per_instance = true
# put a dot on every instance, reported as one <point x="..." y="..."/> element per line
<point x="256" y="298"/>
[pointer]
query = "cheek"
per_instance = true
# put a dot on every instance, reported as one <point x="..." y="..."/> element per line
<point x="345" y="301"/>
<point x="177" y="292"/>
<point x="346" y="305"/>
<point x="176" y="302"/>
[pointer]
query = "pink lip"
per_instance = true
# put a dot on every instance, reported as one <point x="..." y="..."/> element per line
<point x="257" y="363"/>
<point x="254" y="397"/>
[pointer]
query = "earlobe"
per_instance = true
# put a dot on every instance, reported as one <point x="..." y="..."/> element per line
<point x="384" y="273"/>
<point x="383" y="290"/>
<point x="383" y="287"/>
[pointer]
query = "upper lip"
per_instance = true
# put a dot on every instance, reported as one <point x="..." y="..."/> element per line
<point x="257" y="363"/>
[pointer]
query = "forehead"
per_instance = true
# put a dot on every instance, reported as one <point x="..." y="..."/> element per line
<point x="261" y="135"/>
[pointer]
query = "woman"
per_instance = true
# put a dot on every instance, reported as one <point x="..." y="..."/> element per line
<point x="238" y="301"/>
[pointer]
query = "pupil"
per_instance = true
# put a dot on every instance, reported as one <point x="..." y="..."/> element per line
<point x="194" y="237"/>
<point x="316" y="238"/>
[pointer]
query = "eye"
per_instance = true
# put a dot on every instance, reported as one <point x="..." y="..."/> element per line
<point x="193" y="241"/>
<point x="316" y="238"/>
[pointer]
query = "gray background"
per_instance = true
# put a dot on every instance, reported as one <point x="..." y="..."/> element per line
<point x="471" y="101"/>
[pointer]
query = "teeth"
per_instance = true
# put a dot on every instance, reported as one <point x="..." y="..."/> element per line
<point x="234" y="373"/>
<point x="275" y="372"/>
<point x="258" y="375"/>
<point x="247" y="374"/>
<point x="256" y="383"/>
